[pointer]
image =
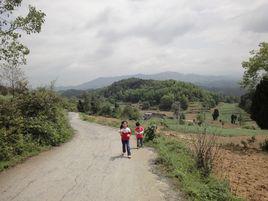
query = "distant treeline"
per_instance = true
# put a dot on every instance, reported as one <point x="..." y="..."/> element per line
<point x="154" y="93"/>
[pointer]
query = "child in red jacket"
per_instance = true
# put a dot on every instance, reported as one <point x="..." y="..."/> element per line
<point x="125" y="133"/>
<point x="139" y="130"/>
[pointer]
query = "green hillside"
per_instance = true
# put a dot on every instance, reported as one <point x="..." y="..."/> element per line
<point x="158" y="93"/>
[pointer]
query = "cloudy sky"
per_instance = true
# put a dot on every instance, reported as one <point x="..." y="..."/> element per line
<point x="85" y="39"/>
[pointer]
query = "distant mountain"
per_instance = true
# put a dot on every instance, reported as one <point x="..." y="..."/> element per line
<point x="224" y="84"/>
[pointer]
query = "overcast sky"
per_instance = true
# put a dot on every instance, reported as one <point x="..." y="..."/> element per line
<point x="85" y="39"/>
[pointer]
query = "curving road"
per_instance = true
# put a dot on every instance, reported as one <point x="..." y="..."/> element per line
<point x="88" y="168"/>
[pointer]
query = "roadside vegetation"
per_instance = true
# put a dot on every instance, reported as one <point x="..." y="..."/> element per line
<point x="30" y="120"/>
<point x="29" y="123"/>
<point x="178" y="162"/>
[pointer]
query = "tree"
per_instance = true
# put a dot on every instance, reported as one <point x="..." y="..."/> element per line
<point x="259" y="107"/>
<point x="184" y="102"/>
<point x="166" y="102"/>
<point x="200" y="118"/>
<point x="215" y="114"/>
<point x="130" y="113"/>
<point x="12" y="77"/>
<point x="176" y="107"/>
<point x="255" y="67"/>
<point x="86" y="103"/>
<point x="106" y="110"/>
<point x="12" y="51"/>
<point x="116" y="112"/>
<point x="246" y="101"/>
<point x="80" y="106"/>
<point x="95" y="105"/>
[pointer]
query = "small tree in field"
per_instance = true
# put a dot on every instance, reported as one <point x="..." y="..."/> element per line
<point x="130" y="113"/>
<point x="206" y="151"/>
<point x="166" y="102"/>
<point x="80" y="106"/>
<point x="184" y="102"/>
<point x="215" y="114"/>
<point x="176" y="107"/>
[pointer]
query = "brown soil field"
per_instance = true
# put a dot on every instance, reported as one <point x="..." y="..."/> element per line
<point x="246" y="170"/>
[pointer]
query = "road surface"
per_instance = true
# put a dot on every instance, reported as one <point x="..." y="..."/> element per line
<point x="88" y="168"/>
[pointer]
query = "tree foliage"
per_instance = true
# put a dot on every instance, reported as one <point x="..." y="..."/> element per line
<point x="176" y="107"/>
<point x="130" y="113"/>
<point x="158" y="93"/>
<point x="13" y="51"/>
<point x="31" y="120"/>
<point x="166" y="102"/>
<point x="215" y="114"/>
<point x="259" y="107"/>
<point x="255" y="67"/>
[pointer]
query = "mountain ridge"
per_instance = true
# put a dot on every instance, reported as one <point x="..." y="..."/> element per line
<point x="224" y="84"/>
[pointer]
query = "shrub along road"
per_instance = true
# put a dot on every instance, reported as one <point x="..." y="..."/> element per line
<point x="88" y="168"/>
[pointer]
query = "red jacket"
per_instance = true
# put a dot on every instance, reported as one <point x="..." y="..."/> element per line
<point x="125" y="133"/>
<point x="139" y="132"/>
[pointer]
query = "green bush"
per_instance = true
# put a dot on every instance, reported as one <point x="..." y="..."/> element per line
<point x="30" y="121"/>
<point x="130" y="113"/>
<point x="150" y="133"/>
<point x="106" y="110"/>
<point x="166" y="102"/>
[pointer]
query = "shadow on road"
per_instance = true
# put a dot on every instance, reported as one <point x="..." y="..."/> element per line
<point x="116" y="157"/>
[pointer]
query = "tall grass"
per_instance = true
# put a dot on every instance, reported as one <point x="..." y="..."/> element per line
<point x="178" y="163"/>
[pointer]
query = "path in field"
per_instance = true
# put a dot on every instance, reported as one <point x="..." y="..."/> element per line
<point x="88" y="168"/>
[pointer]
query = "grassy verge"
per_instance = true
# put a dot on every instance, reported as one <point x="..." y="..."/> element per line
<point x="32" y="150"/>
<point x="177" y="162"/>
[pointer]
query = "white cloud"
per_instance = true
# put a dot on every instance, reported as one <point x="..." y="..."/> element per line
<point x="82" y="39"/>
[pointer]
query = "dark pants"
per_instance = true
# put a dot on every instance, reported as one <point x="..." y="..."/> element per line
<point x="125" y="144"/>
<point x="139" y="142"/>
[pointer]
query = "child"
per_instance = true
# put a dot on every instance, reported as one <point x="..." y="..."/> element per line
<point x="139" y="134"/>
<point x="125" y="136"/>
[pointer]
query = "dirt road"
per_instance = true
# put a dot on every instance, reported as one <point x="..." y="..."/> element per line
<point x="88" y="168"/>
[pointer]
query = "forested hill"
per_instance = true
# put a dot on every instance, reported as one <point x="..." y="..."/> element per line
<point x="227" y="85"/>
<point x="157" y="93"/>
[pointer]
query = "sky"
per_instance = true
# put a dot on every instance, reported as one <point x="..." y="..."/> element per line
<point x="85" y="39"/>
